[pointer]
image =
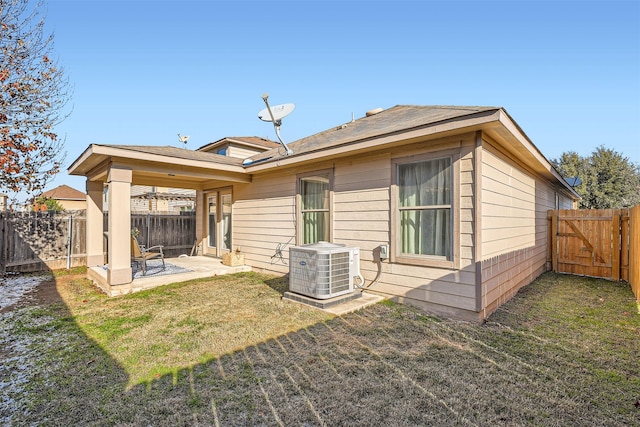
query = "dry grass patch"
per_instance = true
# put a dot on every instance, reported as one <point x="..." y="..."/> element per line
<point x="160" y="331"/>
<point x="563" y="352"/>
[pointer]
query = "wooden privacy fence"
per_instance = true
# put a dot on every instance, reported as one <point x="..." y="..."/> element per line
<point x="596" y="242"/>
<point x="176" y="233"/>
<point x="39" y="241"/>
<point x="634" y="251"/>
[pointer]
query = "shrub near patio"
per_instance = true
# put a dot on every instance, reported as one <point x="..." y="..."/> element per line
<point x="562" y="352"/>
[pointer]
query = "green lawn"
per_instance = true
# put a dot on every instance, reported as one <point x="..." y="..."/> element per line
<point x="228" y="351"/>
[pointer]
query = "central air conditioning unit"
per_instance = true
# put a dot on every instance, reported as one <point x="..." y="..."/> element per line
<point x="323" y="270"/>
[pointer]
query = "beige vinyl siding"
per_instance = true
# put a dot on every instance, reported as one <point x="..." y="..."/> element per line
<point x="264" y="221"/>
<point x="361" y="203"/>
<point x="514" y="202"/>
<point x="565" y="202"/>
<point x="241" y="152"/>
<point x="264" y="213"/>
<point x="508" y="206"/>
<point x="361" y="207"/>
<point x="448" y="291"/>
<point x="514" y="227"/>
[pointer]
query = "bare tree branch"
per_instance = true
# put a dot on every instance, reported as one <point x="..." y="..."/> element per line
<point x="33" y="99"/>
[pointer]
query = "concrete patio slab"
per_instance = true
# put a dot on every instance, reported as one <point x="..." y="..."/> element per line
<point x="199" y="267"/>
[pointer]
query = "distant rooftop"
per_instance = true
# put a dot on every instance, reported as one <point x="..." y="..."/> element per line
<point x="64" y="192"/>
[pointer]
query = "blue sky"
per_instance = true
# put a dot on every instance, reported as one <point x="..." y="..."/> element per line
<point x="567" y="71"/>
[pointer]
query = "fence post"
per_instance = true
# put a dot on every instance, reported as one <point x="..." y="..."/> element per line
<point x="70" y="231"/>
<point x="3" y="245"/>
<point x="554" y="241"/>
<point x="634" y="252"/>
<point x="148" y="229"/>
<point x="617" y="247"/>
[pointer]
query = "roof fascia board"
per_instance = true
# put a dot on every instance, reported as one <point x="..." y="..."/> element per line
<point x="172" y="160"/>
<point x="223" y="141"/>
<point x="248" y="144"/>
<point x="128" y="156"/>
<point x="377" y="141"/>
<point x="524" y="140"/>
<point x="207" y="147"/>
<point x="81" y="159"/>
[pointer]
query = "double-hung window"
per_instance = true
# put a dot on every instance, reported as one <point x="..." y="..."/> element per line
<point x="315" y="207"/>
<point x="424" y="211"/>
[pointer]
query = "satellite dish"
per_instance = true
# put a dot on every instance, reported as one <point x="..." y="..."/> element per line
<point x="278" y="111"/>
<point x="183" y="139"/>
<point x="573" y="181"/>
<point x="275" y="115"/>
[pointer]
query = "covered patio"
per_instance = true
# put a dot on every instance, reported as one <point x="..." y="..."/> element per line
<point x="115" y="169"/>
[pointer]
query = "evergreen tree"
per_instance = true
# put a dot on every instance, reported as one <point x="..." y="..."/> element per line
<point x="609" y="180"/>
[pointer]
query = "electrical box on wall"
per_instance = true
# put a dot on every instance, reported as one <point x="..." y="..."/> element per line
<point x="384" y="251"/>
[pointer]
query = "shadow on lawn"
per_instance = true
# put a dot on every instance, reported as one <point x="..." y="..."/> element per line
<point x="393" y="365"/>
<point x="386" y="365"/>
<point x="279" y="284"/>
<point x="49" y="368"/>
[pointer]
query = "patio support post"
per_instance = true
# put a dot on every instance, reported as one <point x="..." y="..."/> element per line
<point x="95" y="224"/>
<point x="200" y="219"/>
<point x="119" y="199"/>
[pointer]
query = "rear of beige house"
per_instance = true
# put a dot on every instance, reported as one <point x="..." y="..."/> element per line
<point x="498" y="234"/>
<point x="462" y="239"/>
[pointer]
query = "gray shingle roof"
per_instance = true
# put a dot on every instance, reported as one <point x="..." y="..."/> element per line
<point x="177" y="152"/>
<point x="395" y="119"/>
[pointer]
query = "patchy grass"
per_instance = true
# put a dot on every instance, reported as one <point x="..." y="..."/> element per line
<point x="228" y="351"/>
<point x="158" y="332"/>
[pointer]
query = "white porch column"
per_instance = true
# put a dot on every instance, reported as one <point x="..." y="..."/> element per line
<point x="95" y="225"/>
<point x="119" y="200"/>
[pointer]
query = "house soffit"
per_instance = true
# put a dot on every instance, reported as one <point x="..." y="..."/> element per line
<point x="514" y="142"/>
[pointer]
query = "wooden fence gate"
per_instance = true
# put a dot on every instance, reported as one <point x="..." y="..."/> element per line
<point x="590" y="242"/>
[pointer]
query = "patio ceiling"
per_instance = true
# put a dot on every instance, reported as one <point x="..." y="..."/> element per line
<point x="160" y="166"/>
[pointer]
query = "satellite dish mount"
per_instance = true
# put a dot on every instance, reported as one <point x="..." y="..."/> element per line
<point x="275" y="115"/>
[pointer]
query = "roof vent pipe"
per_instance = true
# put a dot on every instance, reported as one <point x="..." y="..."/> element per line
<point x="374" y="111"/>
